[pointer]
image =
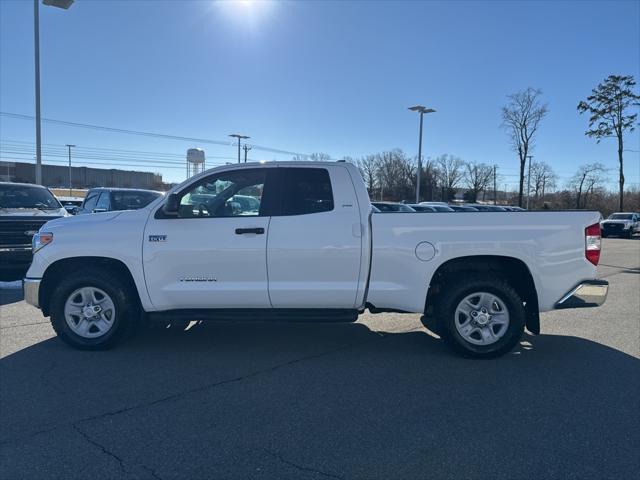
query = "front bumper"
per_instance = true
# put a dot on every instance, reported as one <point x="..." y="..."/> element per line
<point x="13" y="257"/>
<point x="31" y="288"/>
<point x="588" y="293"/>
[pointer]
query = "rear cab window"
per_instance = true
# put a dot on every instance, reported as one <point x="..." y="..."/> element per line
<point x="305" y="191"/>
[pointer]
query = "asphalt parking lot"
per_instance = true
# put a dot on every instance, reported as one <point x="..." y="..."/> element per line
<point x="381" y="398"/>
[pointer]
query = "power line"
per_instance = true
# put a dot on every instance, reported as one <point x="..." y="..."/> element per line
<point x="146" y="134"/>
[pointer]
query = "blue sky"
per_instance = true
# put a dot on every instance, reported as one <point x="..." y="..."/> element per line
<point x="332" y="77"/>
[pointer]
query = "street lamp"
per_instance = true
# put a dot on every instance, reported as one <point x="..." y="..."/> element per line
<point x="422" y="110"/>
<point x="65" y="4"/>
<point x="239" y="137"/>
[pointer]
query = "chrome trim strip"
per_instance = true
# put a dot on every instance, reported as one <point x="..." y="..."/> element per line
<point x="31" y="287"/>
<point x="15" y="249"/>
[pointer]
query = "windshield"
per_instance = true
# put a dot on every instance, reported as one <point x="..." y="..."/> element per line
<point x="621" y="216"/>
<point x="21" y="196"/>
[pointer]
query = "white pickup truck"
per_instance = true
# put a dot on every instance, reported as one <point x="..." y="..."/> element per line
<point x="299" y="241"/>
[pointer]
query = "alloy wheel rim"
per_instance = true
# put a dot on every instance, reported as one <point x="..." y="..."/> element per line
<point x="481" y="318"/>
<point x="89" y="312"/>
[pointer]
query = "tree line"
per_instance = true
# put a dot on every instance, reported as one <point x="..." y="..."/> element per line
<point x="391" y="175"/>
<point x="610" y="116"/>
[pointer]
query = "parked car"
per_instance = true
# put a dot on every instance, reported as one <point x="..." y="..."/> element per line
<point x="621" y="224"/>
<point x="422" y="208"/>
<point x="105" y="199"/>
<point x="392" y="207"/>
<point x="312" y="251"/>
<point x="24" y="208"/>
<point x="463" y="208"/>
<point x="442" y="208"/>
<point x="486" y="208"/>
<point x="71" y="204"/>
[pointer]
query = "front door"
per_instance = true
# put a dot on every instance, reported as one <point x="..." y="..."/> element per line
<point x="213" y="254"/>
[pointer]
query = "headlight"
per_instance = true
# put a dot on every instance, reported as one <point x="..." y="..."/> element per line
<point x="41" y="239"/>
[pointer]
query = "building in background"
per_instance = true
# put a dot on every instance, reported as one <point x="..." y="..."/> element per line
<point x="81" y="177"/>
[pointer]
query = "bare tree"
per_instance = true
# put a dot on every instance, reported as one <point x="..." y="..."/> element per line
<point x="477" y="177"/>
<point x="586" y="180"/>
<point x="521" y="118"/>
<point x="429" y="179"/>
<point x="369" y="169"/>
<point x="609" y="105"/>
<point x="543" y="178"/>
<point x="450" y="169"/>
<point x="319" y="157"/>
<point x="396" y="174"/>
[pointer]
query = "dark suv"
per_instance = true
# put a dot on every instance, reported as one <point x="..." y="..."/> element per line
<point x="113" y="199"/>
<point x="24" y="208"/>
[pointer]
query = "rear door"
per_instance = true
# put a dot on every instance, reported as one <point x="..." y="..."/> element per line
<point x="314" y="246"/>
<point x="213" y="255"/>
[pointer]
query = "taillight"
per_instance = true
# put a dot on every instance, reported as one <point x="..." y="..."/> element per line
<point x="592" y="243"/>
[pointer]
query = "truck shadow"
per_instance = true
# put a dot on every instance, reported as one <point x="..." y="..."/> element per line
<point x="337" y="398"/>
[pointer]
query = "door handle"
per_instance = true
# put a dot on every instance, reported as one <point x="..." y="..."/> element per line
<point x="242" y="231"/>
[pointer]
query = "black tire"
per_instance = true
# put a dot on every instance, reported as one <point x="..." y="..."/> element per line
<point x="127" y="311"/>
<point x="456" y="290"/>
<point x="630" y="234"/>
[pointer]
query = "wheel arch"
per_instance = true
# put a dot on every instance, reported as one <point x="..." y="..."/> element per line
<point x="513" y="269"/>
<point x="61" y="267"/>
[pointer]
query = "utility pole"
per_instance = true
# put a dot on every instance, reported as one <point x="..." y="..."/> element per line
<point x="239" y="137"/>
<point x="529" y="181"/>
<point x="246" y="149"/>
<point x="422" y="110"/>
<point x="69" y="146"/>
<point x="495" y="191"/>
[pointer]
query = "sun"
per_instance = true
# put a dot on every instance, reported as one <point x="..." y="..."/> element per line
<point x="251" y="11"/>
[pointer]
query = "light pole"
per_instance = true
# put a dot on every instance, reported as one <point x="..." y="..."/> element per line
<point x="422" y="110"/>
<point x="239" y="137"/>
<point x="69" y="146"/>
<point x="65" y="4"/>
<point x="529" y="180"/>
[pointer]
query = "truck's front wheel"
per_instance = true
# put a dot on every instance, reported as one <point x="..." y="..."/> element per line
<point x="480" y="317"/>
<point x="92" y="312"/>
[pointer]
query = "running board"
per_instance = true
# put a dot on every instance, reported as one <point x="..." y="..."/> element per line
<point x="258" y="314"/>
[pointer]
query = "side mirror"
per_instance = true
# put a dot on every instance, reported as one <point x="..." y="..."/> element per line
<point x="172" y="205"/>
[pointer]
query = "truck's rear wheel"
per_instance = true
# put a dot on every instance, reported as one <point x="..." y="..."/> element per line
<point x="480" y="317"/>
<point x="92" y="312"/>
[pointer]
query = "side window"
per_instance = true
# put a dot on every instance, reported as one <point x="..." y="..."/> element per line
<point x="238" y="193"/>
<point x="306" y="190"/>
<point x="103" y="202"/>
<point x="90" y="201"/>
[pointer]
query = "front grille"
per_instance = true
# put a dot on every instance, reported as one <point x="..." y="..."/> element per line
<point x="13" y="230"/>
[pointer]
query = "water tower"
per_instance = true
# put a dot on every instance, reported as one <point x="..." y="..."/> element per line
<point x="195" y="161"/>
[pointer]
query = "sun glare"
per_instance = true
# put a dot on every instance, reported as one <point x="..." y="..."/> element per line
<point x="250" y="11"/>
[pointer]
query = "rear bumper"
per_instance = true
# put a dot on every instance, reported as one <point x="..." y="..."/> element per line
<point x="31" y="288"/>
<point x="588" y="293"/>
